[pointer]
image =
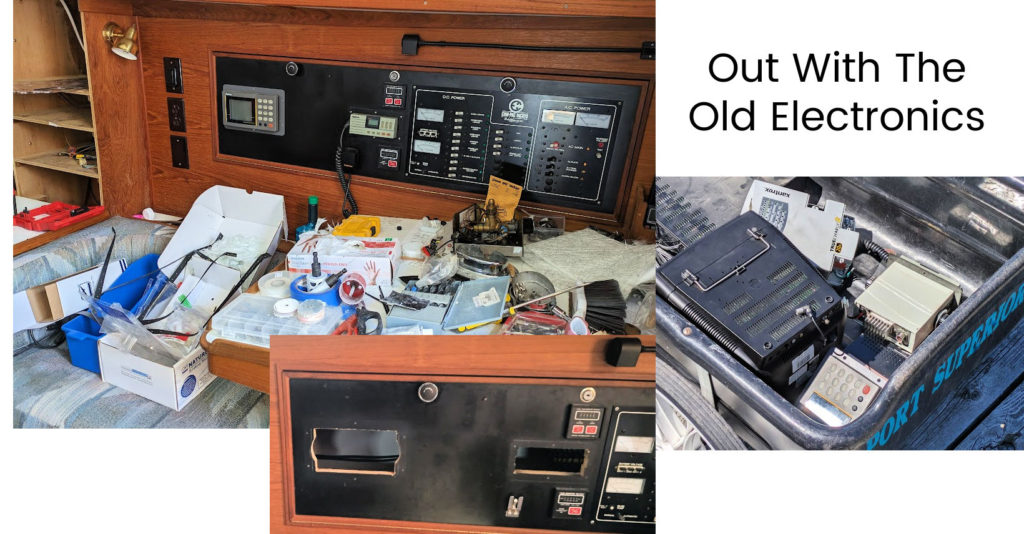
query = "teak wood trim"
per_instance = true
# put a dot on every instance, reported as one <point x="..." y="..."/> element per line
<point x="54" y="235"/>
<point x="509" y="359"/>
<point x="614" y="8"/>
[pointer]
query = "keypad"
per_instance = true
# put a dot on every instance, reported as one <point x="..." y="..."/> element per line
<point x="265" y="112"/>
<point x="845" y="387"/>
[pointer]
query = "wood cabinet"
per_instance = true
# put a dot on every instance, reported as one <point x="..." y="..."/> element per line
<point x="52" y="106"/>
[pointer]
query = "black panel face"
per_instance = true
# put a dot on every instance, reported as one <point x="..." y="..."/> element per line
<point x="565" y="141"/>
<point x="471" y="454"/>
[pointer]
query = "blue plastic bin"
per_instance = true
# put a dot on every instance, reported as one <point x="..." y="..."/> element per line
<point x="83" y="333"/>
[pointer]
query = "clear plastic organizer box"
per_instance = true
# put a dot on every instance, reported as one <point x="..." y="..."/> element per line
<point x="250" y="319"/>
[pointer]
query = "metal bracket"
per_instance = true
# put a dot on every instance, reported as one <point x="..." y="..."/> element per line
<point x="691" y="279"/>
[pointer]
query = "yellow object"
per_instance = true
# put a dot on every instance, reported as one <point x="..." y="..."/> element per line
<point x="505" y="195"/>
<point x="358" y="226"/>
<point x="123" y="42"/>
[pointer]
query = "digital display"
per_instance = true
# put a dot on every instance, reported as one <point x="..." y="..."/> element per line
<point x="428" y="114"/>
<point x="828" y="412"/>
<point x="427" y="147"/>
<point x="241" y="110"/>
<point x="594" y="120"/>
<point x="373" y="122"/>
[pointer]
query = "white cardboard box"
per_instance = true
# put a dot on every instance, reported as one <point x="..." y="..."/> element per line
<point x="55" y="300"/>
<point x="173" y="387"/>
<point x="228" y="211"/>
<point x="374" y="258"/>
<point x="219" y="210"/>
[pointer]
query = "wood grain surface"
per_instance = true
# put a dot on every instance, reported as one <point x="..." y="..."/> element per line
<point x="119" y="118"/>
<point x="193" y="31"/>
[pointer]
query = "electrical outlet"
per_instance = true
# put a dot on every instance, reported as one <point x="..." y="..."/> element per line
<point x="176" y="114"/>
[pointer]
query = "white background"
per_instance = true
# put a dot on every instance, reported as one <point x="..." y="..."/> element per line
<point x="158" y="481"/>
<point x="986" y="36"/>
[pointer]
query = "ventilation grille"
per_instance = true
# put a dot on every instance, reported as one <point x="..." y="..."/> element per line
<point x="679" y="218"/>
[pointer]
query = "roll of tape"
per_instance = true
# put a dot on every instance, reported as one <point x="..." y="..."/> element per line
<point x="285" y="307"/>
<point x="276" y="284"/>
<point x="311" y="311"/>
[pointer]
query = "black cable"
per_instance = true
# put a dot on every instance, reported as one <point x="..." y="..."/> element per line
<point x="456" y="44"/>
<point x="142" y="318"/>
<point x="53" y="338"/>
<point x="876" y="250"/>
<point x="411" y="44"/>
<point x="346" y="181"/>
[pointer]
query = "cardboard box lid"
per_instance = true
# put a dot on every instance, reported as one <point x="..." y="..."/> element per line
<point x="228" y="211"/>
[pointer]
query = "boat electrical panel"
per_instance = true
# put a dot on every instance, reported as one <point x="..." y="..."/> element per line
<point x="566" y="140"/>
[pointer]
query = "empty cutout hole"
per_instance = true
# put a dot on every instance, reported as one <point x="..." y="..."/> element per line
<point x="550" y="461"/>
<point x="344" y="450"/>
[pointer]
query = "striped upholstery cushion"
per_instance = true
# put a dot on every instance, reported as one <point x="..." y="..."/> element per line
<point x="49" y="392"/>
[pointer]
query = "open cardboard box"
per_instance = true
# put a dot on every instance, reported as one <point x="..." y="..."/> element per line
<point x="219" y="210"/>
<point x="173" y="386"/>
<point x="56" y="300"/>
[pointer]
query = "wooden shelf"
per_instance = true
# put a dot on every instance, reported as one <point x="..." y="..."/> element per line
<point x="68" y="117"/>
<point x="72" y="85"/>
<point x="38" y="241"/>
<point x="50" y="160"/>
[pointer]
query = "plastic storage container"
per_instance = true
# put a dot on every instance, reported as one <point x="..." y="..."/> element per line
<point x="250" y="319"/>
<point x="83" y="333"/>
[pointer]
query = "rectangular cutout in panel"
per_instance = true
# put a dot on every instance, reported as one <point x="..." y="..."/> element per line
<point x="550" y="461"/>
<point x="179" y="151"/>
<point x="346" y="450"/>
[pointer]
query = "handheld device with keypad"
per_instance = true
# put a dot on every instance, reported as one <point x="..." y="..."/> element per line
<point x="843" y="388"/>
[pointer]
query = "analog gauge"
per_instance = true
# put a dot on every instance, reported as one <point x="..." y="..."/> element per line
<point x="428" y="114"/>
<point x="555" y="116"/>
<point x="593" y="120"/>
<point x="427" y="147"/>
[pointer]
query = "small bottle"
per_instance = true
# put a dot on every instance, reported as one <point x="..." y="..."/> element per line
<point x="312" y="207"/>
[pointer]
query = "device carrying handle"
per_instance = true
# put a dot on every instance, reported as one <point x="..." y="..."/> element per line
<point x="691" y="279"/>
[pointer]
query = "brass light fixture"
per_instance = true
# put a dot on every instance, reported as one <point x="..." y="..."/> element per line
<point x="122" y="42"/>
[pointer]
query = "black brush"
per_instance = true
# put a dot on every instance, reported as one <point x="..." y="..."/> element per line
<point x="606" y="307"/>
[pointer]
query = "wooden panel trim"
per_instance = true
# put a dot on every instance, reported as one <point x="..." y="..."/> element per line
<point x="577" y="357"/>
<point x="53" y="235"/>
<point x="119" y="118"/>
<point x="616" y="8"/>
